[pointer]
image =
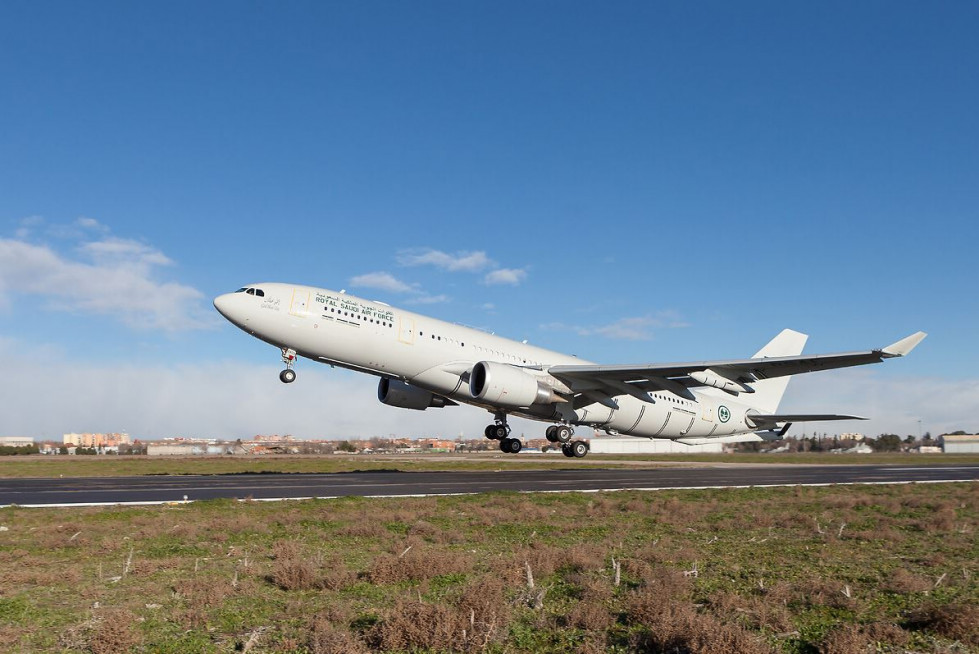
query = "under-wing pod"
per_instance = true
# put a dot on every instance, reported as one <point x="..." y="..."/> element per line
<point x="395" y="392"/>
<point x="712" y="378"/>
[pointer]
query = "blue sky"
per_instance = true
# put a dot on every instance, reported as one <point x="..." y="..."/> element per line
<point x="638" y="182"/>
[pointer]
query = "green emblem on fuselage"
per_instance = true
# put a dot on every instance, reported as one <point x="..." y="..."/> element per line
<point x="723" y="413"/>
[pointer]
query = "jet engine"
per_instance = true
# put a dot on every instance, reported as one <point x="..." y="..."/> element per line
<point x="504" y="385"/>
<point x="395" y="392"/>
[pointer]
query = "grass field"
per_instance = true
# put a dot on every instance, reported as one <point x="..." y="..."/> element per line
<point x="835" y="569"/>
<point x="114" y="466"/>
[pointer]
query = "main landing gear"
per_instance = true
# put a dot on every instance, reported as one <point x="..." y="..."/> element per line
<point x="500" y="431"/>
<point x="288" y="375"/>
<point x="562" y="434"/>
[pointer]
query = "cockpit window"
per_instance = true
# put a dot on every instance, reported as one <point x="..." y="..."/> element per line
<point x="259" y="292"/>
<point x="241" y="290"/>
<point x="251" y="291"/>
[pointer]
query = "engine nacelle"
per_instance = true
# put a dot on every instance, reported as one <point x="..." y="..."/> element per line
<point x="395" y="392"/>
<point x="503" y="385"/>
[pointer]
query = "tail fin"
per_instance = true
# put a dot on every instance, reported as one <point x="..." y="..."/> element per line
<point x="768" y="392"/>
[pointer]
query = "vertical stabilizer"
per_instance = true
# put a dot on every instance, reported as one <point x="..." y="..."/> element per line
<point x="768" y="392"/>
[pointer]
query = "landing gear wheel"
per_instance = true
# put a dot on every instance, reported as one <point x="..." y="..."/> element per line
<point x="511" y="445"/>
<point x="489" y="432"/>
<point x="500" y="432"/>
<point x="562" y="433"/>
<point x="566" y="450"/>
<point x="287" y="376"/>
<point x="579" y="449"/>
<point x="549" y="434"/>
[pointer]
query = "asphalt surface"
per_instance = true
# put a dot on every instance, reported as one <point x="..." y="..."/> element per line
<point x="162" y="489"/>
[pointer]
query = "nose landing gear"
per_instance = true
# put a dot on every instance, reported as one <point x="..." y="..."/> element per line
<point x="288" y="375"/>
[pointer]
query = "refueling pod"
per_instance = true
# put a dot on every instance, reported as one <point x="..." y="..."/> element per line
<point x="395" y="392"/>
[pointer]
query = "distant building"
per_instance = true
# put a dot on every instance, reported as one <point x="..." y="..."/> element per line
<point x="633" y="445"/>
<point x="16" y="441"/>
<point x="113" y="440"/>
<point x="959" y="443"/>
<point x="188" y="448"/>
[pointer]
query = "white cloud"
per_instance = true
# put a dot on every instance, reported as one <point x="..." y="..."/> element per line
<point x="461" y="261"/>
<point x="118" y="281"/>
<point x="384" y="282"/>
<point x="92" y="224"/>
<point x="511" y="276"/>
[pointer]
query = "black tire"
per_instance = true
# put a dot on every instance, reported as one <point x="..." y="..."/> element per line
<point x="562" y="433"/>
<point x="579" y="449"/>
<point x="515" y="445"/>
<point x="500" y="432"/>
<point x="489" y="432"/>
<point x="566" y="450"/>
<point x="287" y="376"/>
<point x="549" y="434"/>
<point x="505" y="445"/>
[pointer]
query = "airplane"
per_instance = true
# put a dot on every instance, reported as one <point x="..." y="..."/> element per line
<point x="427" y="363"/>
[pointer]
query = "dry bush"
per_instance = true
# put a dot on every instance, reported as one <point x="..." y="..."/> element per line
<point x="485" y="600"/>
<point x="955" y="621"/>
<point x="414" y="625"/>
<point x="903" y="581"/>
<point x="822" y="592"/>
<point x="855" y="638"/>
<point x="37" y="571"/>
<point x="112" y="632"/>
<point x="294" y="569"/>
<point x="591" y="613"/>
<point x="543" y="560"/>
<point x="417" y="564"/>
<point x="662" y="588"/>
<point x="757" y="612"/>
<point x="364" y="526"/>
<point x="200" y="595"/>
<point x="325" y="637"/>
<point x="579" y="558"/>
<point x="680" y="628"/>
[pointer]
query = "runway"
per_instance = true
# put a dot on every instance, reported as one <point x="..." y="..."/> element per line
<point x="89" y="491"/>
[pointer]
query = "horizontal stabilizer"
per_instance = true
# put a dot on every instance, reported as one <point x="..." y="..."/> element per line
<point x="905" y="345"/>
<point x="766" y="421"/>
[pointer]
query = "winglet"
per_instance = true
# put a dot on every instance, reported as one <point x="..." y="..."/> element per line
<point x="905" y="345"/>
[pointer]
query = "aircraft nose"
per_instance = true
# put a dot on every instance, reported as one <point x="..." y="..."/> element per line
<point x="223" y="304"/>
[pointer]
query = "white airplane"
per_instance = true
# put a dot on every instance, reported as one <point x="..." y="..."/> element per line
<point x="423" y="362"/>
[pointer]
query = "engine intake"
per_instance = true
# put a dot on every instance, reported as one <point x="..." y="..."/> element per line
<point x="503" y="385"/>
<point x="395" y="392"/>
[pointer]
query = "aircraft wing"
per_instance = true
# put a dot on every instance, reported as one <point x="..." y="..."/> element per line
<point x="637" y="380"/>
